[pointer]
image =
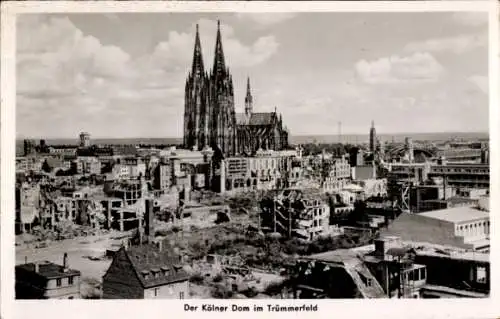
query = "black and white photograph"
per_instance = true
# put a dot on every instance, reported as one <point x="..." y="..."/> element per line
<point x="252" y="155"/>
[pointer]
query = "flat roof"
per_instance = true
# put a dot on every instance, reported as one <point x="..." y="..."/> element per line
<point x="457" y="214"/>
<point x="49" y="270"/>
<point x="449" y="290"/>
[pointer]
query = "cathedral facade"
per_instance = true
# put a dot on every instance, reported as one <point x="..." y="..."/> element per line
<point x="210" y="119"/>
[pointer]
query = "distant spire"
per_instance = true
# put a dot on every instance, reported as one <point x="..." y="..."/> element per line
<point x="248" y="86"/>
<point x="197" y="55"/>
<point x="373" y="123"/>
<point x="248" y="99"/>
<point x="219" y="63"/>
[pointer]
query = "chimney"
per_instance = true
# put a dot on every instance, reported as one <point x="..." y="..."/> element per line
<point x="37" y="267"/>
<point x="65" y="261"/>
<point x="25" y="259"/>
<point x="148" y="218"/>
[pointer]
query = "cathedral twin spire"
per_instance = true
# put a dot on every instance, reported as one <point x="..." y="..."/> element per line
<point x="219" y="62"/>
<point x="198" y="67"/>
<point x="209" y="118"/>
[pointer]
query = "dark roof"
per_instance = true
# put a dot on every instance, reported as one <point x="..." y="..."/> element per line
<point x="304" y="193"/>
<point x="54" y="162"/>
<point x="147" y="258"/>
<point x="241" y="118"/>
<point x="262" y="118"/>
<point x="48" y="270"/>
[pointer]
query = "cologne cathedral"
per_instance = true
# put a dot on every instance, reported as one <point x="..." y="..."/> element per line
<point x="210" y="119"/>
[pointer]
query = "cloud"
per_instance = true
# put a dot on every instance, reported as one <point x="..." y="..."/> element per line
<point x="179" y="47"/>
<point x="481" y="82"/>
<point x="471" y="18"/>
<point x="266" y="19"/>
<point x="419" y="67"/>
<point x="458" y="44"/>
<point x="75" y="78"/>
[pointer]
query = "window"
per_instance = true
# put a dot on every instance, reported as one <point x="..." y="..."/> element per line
<point x="70" y="280"/>
<point x="181" y="295"/>
<point x="58" y="282"/>
<point x="157" y="290"/>
<point x="422" y="273"/>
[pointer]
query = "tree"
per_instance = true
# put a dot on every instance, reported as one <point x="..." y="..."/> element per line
<point x="46" y="167"/>
<point x="359" y="212"/>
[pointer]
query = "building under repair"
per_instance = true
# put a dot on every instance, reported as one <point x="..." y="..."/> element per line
<point x="302" y="213"/>
<point x="392" y="268"/>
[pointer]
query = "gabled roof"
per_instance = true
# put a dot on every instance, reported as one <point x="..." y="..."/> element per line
<point x="262" y="118"/>
<point x="147" y="259"/>
<point x="242" y="119"/>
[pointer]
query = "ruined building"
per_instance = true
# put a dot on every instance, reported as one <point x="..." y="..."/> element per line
<point x="301" y="213"/>
<point x="210" y="119"/>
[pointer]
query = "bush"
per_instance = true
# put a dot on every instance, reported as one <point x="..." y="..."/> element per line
<point x="221" y="292"/>
<point x="275" y="288"/>
<point x="218" y="278"/>
<point x="176" y="229"/>
<point x="197" y="279"/>
<point x="250" y="292"/>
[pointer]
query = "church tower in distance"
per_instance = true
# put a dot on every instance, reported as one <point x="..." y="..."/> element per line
<point x="248" y="100"/>
<point x="373" y="138"/>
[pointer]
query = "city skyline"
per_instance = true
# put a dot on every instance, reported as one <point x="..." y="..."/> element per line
<point x="80" y="72"/>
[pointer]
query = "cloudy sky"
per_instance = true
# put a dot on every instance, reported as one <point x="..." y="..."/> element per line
<point x="123" y="75"/>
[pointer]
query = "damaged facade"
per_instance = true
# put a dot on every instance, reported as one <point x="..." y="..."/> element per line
<point x="392" y="268"/>
<point x="302" y="213"/>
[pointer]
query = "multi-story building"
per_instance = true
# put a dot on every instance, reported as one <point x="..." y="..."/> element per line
<point x="336" y="173"/>
<point x="46" y="280"/>
<point x="62" y="149"/>
<point x="29" y="147"/>
<point x="302" y="213"/>
<point x="129" y="168"/>
<point x="27" y="206"/>
<point x="86" y="165"/>
<point x="29" y="163"/>
<point x="393" y="268"/>
<point x="462" y="175"/>
<point x="266" y="170"/>
<point x="463" y="227"/>
<point x="162" y="176"/>
<point x="84" y="139"/>
<point x="146" y="271"/>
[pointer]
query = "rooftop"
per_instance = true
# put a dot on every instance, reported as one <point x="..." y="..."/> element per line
<point x="146" y="259"/>
<point x="457" y="214"/>
<point x="48" y="270"/>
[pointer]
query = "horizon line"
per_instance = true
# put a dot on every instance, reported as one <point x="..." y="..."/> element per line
<point x="298" y="135"/>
